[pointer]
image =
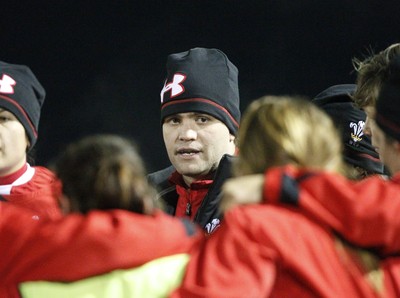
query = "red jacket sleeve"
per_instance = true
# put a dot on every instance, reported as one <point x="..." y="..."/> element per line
<point x="364" y="212"/>
<point x="80" y="246"/>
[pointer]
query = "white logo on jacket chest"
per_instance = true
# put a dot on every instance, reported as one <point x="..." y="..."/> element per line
<point x="213" y="225"/>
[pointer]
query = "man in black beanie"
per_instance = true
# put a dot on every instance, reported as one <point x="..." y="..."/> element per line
<point x="358" y="151"/>
<point x="21" y="99"/>
<point x="200" y="116"/>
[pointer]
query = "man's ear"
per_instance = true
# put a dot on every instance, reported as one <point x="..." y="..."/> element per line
<point x="28" y="143"/>
<point x="231" y="138"/>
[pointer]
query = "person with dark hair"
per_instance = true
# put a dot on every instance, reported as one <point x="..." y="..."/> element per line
<point x="372" y="71"/>
<point x="111" y="222"/>
<point x="111" y="176"/>
<point x="200" y="116"/>
<point x="21" y="183"/>
<point x="358" y="152"/>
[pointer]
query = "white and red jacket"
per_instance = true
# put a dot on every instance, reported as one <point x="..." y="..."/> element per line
<point x="35" y="188"/>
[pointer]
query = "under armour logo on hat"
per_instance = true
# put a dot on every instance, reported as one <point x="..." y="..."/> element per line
<point x="6" y="84"/>
<point x="175" y="86"/>
<point x="202" y="80"/>
<point x="22" y="94"/>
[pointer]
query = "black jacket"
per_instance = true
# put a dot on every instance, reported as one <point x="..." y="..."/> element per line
<point x="209" y="208"/>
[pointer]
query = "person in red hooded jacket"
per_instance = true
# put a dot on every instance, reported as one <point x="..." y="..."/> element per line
<point x="112" y="222"/>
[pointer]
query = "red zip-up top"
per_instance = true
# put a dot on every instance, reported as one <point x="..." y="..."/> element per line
<point x="76" y="247"/>
<point x="34" y="188"/>
<point x="190" y="198"/>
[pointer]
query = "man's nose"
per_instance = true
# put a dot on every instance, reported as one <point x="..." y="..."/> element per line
<point x="187" y="132"/>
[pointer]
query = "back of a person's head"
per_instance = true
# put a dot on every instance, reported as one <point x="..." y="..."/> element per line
<point x="371" y="72"/>
<point x="279" y="130"/>
<point x="103" y="172"/>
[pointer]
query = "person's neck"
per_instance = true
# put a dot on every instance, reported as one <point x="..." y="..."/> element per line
<point x="10" y="178"/>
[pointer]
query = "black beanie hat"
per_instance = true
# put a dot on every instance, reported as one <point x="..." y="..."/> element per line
<point x="358" y="151"/>
<point x="388" y="104"/>
<point x="204" y="81"/>
<point x="23" y="95"/>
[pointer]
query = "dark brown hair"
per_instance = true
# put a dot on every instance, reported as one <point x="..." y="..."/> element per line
<point x="103" y="172"/>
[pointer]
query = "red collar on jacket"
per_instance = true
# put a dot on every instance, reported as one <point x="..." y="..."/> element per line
<point x="9" y="179"/>
<point x="190" y="198"/>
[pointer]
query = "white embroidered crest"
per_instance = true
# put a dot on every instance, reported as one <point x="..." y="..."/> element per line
<point x="175" y="86"/>
<point x="6" y="84"/>
<point x="213" y="225"/>
<point x="358" y="130"/>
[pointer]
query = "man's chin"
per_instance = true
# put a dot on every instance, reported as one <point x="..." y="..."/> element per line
<point x="192" y="172"/>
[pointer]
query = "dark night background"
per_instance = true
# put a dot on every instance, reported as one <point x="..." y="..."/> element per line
<point x="102" y="63"/>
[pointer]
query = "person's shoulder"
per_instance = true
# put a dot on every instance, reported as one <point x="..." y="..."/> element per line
<point x="158" y="177"/>
<point x="283" y="218"/>
<point x="44" y="172"/>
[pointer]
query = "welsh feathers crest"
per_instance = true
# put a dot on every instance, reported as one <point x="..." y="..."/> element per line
<point x="213" y="225"/>
<point x="358" y="130"/>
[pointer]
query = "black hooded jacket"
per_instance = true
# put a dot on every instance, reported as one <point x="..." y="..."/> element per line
<point x="209" y="209"/>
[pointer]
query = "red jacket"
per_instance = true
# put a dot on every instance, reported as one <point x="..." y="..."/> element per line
<point x="283" y="251"/>
<point x="75" y="247"/>
<point x="37" y="189"/>
<point x="364" y="212"/>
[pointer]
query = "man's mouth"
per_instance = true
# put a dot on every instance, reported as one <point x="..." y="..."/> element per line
<point x="187" y="152"/>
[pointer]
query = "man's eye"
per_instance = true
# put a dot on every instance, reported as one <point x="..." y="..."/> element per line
<point x="202" y="119"/>
<point x="172" y="120"/>
<point x="4" y="119"/>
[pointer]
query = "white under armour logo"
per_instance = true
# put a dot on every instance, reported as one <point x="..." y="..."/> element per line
<point x="6" y="84"/>
<point x="175" y="86"/>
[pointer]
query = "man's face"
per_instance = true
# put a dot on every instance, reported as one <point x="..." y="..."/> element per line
<point x="387" y="150"/>
<point x="195" y="144"/>
<point x="13" y="143"/>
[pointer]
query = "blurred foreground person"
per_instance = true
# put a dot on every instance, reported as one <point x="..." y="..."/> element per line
<point x="75" y="256"/>
<point x="264" y="250"/>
